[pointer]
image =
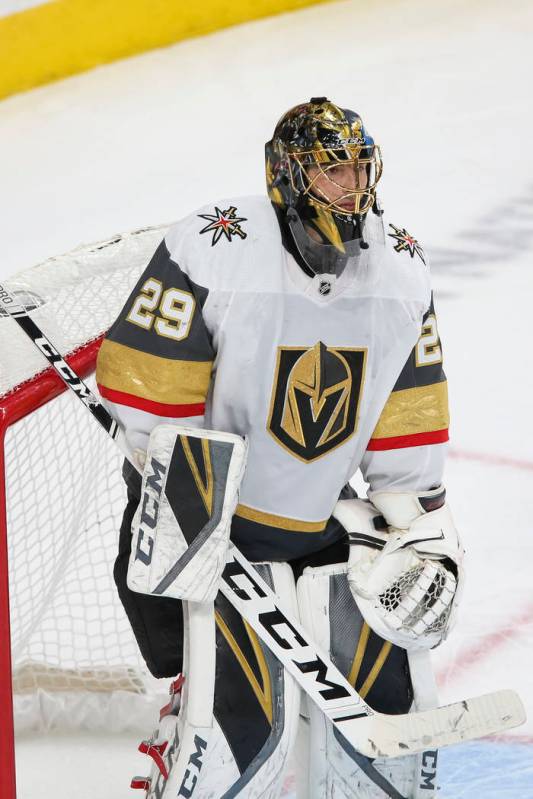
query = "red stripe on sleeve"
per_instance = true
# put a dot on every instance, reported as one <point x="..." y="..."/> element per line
<point x="157" y="408"/>
<point x="413" y="440"/>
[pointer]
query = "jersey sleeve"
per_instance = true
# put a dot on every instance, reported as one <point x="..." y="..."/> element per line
<point x="408" y="446"/>
<point x="155" y="362"/>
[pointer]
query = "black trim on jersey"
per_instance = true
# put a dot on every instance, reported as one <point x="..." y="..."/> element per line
<point x="413" y="376"/>
<point x="260" y="542"/>
<point x="197" y="346"/>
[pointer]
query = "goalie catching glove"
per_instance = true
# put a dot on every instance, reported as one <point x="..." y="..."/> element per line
<point x="182" y="525"/>
<point x="405" y="565"/>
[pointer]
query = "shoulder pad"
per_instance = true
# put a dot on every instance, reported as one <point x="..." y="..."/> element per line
<point x="215" y="240"/>
<point x="223" y="222"/>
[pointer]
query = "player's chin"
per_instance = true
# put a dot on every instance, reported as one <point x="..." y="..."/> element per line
<point x="346" y="208"/>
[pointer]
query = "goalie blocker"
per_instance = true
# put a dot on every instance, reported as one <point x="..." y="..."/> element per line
<point x="181" y="527"/>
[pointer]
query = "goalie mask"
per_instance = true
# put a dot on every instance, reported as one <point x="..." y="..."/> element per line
<point x="322" y="168"/>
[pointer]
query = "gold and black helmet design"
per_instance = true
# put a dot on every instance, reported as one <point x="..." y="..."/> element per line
<point x="322" y="168"/>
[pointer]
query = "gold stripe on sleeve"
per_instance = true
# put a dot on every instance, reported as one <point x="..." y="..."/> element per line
<point x="151" y="377"/>
<point x="422" y="409"/>
<point x="283" y="522"/>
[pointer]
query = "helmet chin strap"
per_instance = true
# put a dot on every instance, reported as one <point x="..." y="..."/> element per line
<point x="288" y="241"/>
<point x="313" y="259"/>
<point x="320" y="256"/>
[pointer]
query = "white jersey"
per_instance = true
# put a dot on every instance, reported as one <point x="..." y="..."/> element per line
<point x="322" y="375"/>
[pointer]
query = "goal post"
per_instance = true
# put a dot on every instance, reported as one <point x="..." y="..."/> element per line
<point x="20" y="402"/>
<point x="68" y="658"/>
<point x="7" y="743"/>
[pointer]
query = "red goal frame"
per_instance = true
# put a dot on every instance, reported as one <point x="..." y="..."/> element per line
<point x="23" y="400"/>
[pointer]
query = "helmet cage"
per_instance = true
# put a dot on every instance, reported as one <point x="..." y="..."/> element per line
<point x="347" y="200"/>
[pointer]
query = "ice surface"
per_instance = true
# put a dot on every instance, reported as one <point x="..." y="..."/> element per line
<point x="444" y="88"/>
<point x="487" y="769"/>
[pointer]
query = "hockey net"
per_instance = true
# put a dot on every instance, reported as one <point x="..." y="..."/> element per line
<point x="74" y="660"/>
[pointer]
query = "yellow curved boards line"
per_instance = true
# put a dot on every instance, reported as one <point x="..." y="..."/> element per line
<point x="60" y="38"/>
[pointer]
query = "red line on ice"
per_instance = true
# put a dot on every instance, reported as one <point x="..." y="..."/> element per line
<point x="486" y="645"/>
<point x="512" y="739"/>
<point x="492" y="460"/>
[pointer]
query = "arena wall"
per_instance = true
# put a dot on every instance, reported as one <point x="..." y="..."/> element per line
<point x="41" y="42"/>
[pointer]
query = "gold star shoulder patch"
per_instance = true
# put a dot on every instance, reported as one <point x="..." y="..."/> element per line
<point x="224" y="223"/>
<point x="406" y="243"/>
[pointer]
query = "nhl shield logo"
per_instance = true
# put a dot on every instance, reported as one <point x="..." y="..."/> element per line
<point x="315" y="398"/>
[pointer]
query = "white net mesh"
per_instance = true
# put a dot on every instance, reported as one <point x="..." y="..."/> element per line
<point x="81" y="294"/>
<point x="75" y="661"/>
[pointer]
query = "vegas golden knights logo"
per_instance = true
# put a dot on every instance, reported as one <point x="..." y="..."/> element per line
<point x="315" y="398"/>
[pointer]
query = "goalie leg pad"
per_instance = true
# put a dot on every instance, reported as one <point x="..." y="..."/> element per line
<point x="381" y="674"/>
<point x="239" y="710"/>
<point x="182" y="525"/>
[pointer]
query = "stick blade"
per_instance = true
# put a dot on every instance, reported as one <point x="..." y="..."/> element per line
<point x="382" y="735"/>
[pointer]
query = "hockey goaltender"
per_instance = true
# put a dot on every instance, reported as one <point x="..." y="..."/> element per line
<point x="293" y="339"/>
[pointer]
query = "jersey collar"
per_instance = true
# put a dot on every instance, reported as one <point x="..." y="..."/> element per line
<point x="319" y="288"/>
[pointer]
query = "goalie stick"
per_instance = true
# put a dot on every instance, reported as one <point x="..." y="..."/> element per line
<point x="370" y="733"/>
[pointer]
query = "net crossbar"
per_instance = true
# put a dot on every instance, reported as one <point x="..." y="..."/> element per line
<point x="69" y="658"/>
